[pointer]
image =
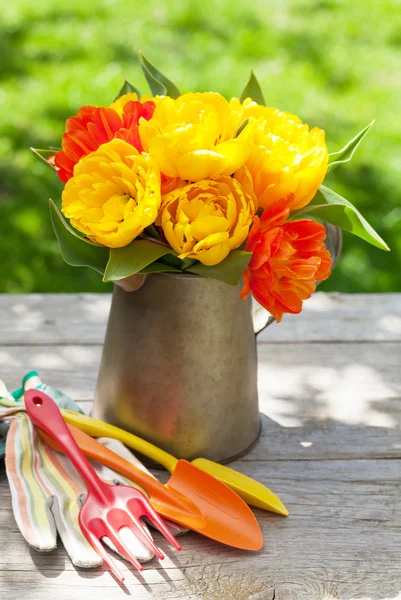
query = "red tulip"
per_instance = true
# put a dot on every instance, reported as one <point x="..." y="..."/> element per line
<point x="96" y="125"/>
<point x="289" y="257"/>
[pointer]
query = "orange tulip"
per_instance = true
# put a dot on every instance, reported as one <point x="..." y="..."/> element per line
<point x="96" y="125"/>
<point x="288" y="259"/>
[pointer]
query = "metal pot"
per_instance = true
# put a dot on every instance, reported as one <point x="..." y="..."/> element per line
<point x="179" y="365"/>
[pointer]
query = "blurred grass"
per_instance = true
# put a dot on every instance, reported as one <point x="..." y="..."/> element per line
<point x="335" y="63"/>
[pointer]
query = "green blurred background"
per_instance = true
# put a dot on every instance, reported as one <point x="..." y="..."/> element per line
<point x="337" y="64"/>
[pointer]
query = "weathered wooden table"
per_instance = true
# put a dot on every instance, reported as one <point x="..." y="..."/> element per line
<point x="330" y="386"/>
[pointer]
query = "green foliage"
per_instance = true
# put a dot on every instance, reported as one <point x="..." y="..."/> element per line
<point x="158" y="83"/>
<point x="126" y="89"/>
<point x="242" y="127"/>
<point x="253" y="90"/>
<point x="159" y="267"/>
<point x="332" y="208"/>
<point x="345" y="154"/>
<point x="77" y="251"/>
<point x="133" y="258"/>
<point x="230" y="270"/>
<point x="43" y="156"/>
<point x="140" y="256"/>
<point x="310" y="57"/>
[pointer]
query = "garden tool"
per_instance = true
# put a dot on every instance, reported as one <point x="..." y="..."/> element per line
<point x="107" y="508"/>
<point x="190" y="497"/>
<point x="46" y="491"/>
<point x="251" y="491"/>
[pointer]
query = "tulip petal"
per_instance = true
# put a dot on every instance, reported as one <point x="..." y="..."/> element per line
<point x="201" y="228"/>
<point x="207" y="219"/>
<point x="288" y="258"/>
<point x="97" y="125"/>
<point x="235" y="153"/>
<point x="113" y="195"/>
<point x="200" y="164"/>
<point x="193" y="137"/>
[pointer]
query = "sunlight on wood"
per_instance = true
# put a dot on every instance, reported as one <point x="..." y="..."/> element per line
<point x="97" y="310"/>
<point x="351" y="394"/>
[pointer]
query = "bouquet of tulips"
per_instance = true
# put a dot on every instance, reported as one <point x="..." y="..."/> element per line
<point x="193" y="183"/>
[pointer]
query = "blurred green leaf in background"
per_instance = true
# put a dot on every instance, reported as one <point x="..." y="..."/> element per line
<point x="335" y="63"/>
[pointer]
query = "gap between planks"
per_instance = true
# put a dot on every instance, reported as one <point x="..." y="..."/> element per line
<point x="260" y="342"/>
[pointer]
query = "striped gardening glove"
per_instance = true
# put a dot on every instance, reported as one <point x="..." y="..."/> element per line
<point x="46" y="491"/>
<point x="33" y="381"/>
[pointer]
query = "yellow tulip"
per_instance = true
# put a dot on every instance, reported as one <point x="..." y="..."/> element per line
<point x="193" y="137"/>
<point x="286" y="156"/>
<point x="113" y="195"/>
<point x="207" y="219"/>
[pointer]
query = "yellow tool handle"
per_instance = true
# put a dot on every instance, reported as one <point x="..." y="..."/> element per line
<point x="97" y="428"/>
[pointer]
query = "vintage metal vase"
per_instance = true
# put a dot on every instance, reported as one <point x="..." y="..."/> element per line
<point x="179" y="365"/>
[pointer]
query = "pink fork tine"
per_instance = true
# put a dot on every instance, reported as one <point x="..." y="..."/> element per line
<point x="158" y="522"/>
<point x="145" y="537"/>
<point x="102" y="529"/>
<point x="114" y="537"/>
<point x="98" y="547"/>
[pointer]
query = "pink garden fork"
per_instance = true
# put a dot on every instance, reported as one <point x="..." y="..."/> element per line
<point x="107" y="508"/>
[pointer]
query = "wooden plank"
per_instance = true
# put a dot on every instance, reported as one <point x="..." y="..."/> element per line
<point x="81" y="318"/>
<point x="53" y="318"/>
<point x="72" y="368"/>
<point x="355" y="384"/>
<point x="337" y="317"/>
<point x="322" y="400"/>
<point x="341" y="540"/>
<point x="330" y="449"/>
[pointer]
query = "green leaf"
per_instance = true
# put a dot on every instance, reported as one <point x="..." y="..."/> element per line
<point x="158" y="83"/>
<point x="172" y="260"/>
<point x="159" y="267"/>
<point x="187" y="263"/>
<point x="76" y="250"/>
<point x="333" y="208"/>
<point x="253" y="90"/>
<point x="133" y="258"/>
<point x="43" y="156"/>
<point x="157" y="88"/>
<point x="126" y="89"/>
<point x="345" y="155"/>
<point x="230" y="270"/>
<point x="152" y="232"/>
<point x="242" y="127"/>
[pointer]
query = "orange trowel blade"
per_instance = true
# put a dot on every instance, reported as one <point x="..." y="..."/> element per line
<point x="225" y="513"/>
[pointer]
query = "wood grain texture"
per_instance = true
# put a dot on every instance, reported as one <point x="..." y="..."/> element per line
<point x="344" y="529"/>
<point x="330" y="448"/>
<point x="81" y="318"/>
<point x="53" y="318"/>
